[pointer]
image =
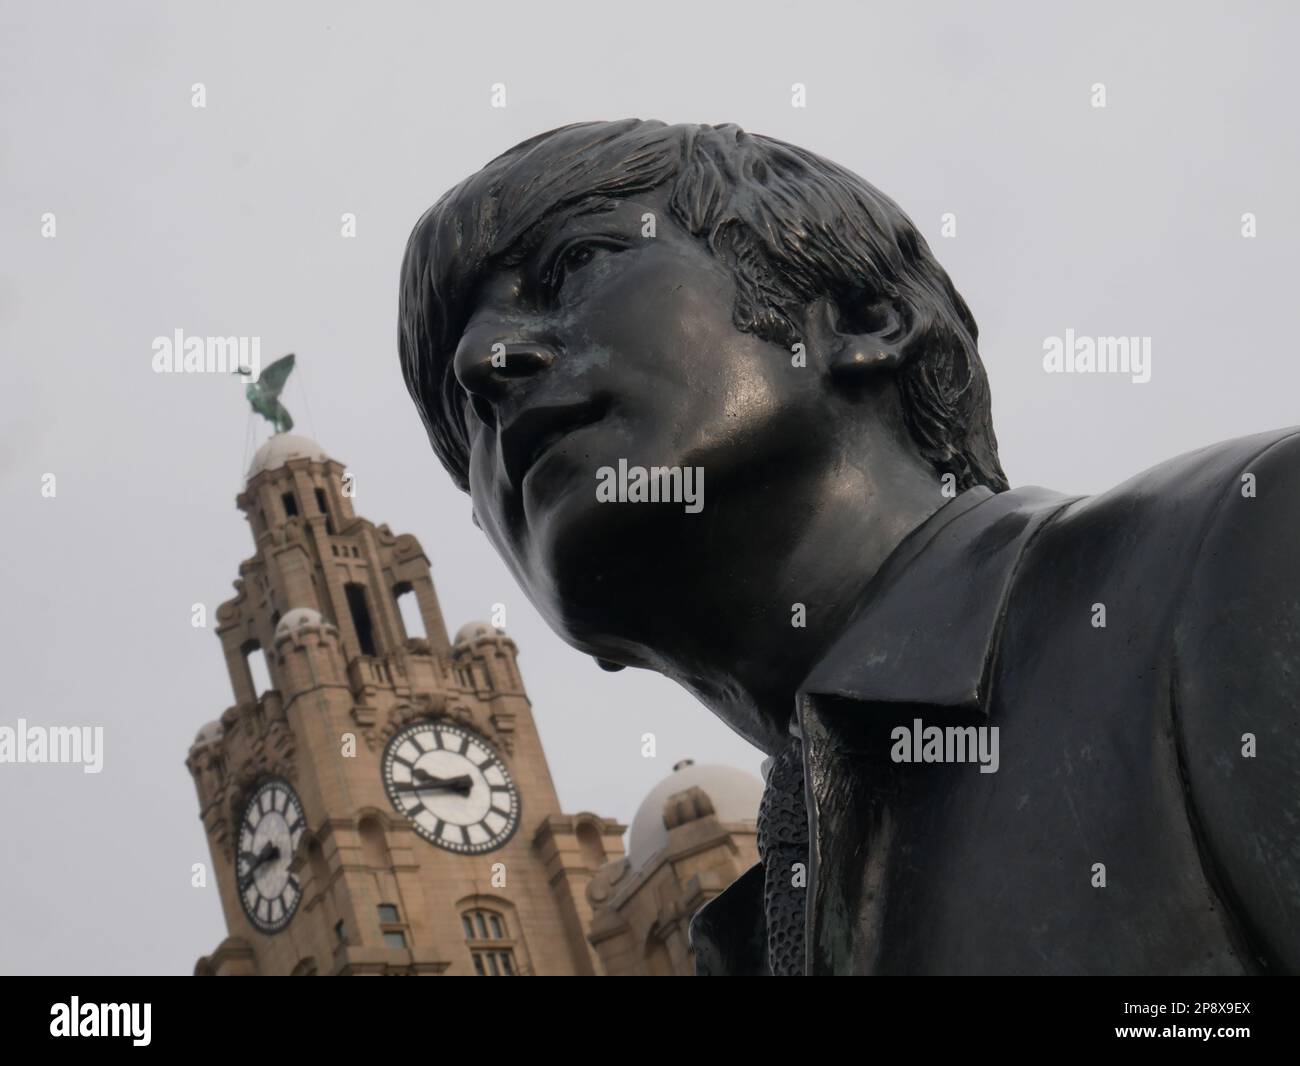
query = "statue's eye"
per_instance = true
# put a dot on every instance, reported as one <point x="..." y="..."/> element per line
<point x="575" y="255"/>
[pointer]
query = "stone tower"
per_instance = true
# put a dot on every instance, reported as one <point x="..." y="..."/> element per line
<point x="385" y="806"/>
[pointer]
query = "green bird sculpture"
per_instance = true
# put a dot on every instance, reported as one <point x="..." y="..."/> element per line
<point x="264" y="394"/>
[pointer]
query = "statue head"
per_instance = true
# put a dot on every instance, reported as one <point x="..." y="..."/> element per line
<point x="758" y="322"/>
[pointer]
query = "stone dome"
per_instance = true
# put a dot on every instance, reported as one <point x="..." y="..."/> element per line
<point x="474" y="630"/>
<point x="205" y="736"/>
<point x="734" y="794"/>
<point x="280" y="449"/>
<point x="296" y="619"/>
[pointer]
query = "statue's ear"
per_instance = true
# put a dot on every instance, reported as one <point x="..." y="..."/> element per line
<point x="861" y="340"/>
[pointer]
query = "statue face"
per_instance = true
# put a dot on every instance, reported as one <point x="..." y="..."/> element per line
<point x="621" y="346"/>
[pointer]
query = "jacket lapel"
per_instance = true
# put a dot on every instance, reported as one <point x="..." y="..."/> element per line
<point x="922" y="646"/>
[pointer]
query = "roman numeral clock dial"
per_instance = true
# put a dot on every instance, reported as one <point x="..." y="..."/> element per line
<point x="452" y="786"/>
<point x="269" y="831"/>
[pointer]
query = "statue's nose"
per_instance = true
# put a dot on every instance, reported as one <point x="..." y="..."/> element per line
<point x="486" y="371"/>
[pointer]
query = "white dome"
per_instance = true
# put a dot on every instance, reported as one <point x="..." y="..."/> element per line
<point x="474" y="630"/>
<point x="296" y="619"/>
<point x="210" y="732"/>
<point x="280" y="449"/>
<point x="734" y="793"/>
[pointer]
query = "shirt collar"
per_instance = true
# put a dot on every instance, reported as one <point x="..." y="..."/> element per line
<point x="930" y="617"/>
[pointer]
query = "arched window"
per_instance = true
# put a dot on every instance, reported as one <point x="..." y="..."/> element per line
<point x="356" y="595"/>
<point x="259" y="676"/>
<point x="591" y="847"/>
<point x="374" y="848"/>
<point x="491" y="942"/>
<point x="408" y="606"/>
<point x="322" y="505"/>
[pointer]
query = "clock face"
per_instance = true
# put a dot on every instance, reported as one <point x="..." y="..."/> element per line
<point x="272" y="825"/>
<point x="452" y="786"/>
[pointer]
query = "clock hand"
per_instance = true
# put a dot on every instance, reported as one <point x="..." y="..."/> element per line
<point x="269" y="852"/>
<point x="463" y="784"/>
<point x="461" y="781"/>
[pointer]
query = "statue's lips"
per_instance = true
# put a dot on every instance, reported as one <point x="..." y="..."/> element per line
<point x="529" y="436"/>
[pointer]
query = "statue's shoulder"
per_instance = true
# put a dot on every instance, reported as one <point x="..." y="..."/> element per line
<point x="1254" y="492"/>
<point x="1201" y="481"/>
<point x="1158" y="523"/>
<point x="1235" y="682"/>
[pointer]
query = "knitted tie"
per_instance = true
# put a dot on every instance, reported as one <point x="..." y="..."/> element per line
<point x="783" y="842"/>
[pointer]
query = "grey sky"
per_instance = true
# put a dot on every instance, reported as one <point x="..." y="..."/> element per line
<point x="1117" y="221"/>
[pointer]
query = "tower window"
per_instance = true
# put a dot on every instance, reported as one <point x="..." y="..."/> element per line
<point x="390" y="927"/>
<point x="494" y="964"/>
<point x="361" y="618"/>
<point x="408" y="606"/>
<point x="290" y="502"/>
<point x="259" y="677"/>
<point x="323" y="507"/>
<point x="491" y="949"/>
<point x="340" y="932"/>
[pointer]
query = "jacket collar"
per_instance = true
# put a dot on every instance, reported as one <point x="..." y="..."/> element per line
<point x="930" y="618"/>
<point x="925" y="634"/>
<point x="923" y="643"/>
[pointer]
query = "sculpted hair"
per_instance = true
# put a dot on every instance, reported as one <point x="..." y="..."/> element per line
<point x="792" y="227"/>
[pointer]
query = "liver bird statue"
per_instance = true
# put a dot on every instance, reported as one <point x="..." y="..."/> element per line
<point x="264" y="394"/>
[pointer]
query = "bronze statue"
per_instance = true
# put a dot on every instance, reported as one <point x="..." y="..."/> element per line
<point x="1011" y="731"/>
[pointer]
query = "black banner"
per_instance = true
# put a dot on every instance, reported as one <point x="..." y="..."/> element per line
<point x="181" y="1014"/>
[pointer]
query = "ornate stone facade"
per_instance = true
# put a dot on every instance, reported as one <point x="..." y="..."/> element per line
<point x="359" y="886"/>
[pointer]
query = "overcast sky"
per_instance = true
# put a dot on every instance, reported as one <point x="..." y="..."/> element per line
<point x="1117" y="221"/>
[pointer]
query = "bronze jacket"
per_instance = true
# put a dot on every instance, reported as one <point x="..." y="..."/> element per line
<point x="1144" y="817"/>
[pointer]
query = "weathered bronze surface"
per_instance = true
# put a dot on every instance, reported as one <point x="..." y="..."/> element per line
<point x="724" y="417"/>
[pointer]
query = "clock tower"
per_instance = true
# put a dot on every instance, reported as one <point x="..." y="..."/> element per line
<point x="380" y="803"/>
